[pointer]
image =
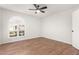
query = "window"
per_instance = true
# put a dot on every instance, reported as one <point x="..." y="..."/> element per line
<point x="16" y="27"/>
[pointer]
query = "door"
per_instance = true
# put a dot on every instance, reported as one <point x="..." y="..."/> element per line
<point x="75" y="28"/>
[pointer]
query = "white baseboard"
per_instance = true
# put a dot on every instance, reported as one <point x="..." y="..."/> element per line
<point x="58" y="40"/>
<point x="32" y="38"/>
<point x="19" y="40"/>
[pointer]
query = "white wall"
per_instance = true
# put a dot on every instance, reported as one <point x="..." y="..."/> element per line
<point x="0" y="26"/>
<point x="58" y="27"/>
<point x="75" y="27"/>
<point x="32" y="26"/>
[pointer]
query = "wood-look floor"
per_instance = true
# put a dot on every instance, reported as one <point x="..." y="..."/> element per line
<point x="38" y="46"/>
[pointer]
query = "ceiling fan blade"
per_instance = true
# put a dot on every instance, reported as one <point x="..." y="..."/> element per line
<point x="44" y="7"/>
<point x="42" y="11"/>
<point x="35" y="5"/>
<point x="32" y="9"/>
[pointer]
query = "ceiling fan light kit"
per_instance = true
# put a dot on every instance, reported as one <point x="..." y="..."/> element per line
<point x="38" y="11"/>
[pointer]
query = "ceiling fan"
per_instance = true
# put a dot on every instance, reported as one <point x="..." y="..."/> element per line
<point x="38" y="8"/>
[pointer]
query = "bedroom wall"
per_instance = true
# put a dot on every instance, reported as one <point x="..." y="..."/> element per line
<point x="58" y="27"/>
<point x="32" y="26"/>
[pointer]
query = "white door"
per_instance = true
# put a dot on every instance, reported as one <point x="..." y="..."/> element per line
<point x="75" y="28"/>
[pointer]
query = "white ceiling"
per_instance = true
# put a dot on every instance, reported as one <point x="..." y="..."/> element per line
<point x="52" y="8"/>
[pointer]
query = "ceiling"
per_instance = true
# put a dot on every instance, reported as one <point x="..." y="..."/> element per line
<point x="52" y="8"/>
